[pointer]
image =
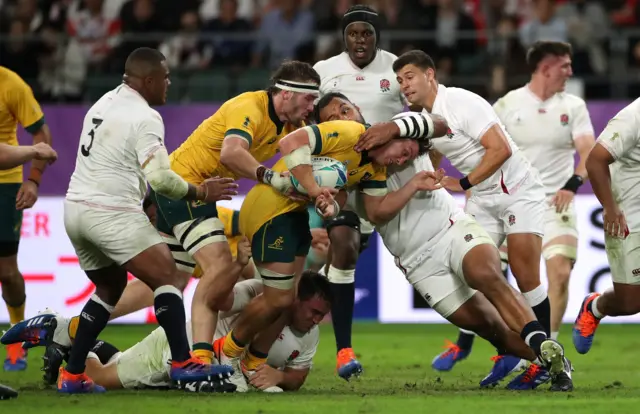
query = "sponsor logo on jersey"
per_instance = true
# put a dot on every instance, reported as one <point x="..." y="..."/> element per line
<point x="366" y="176"/>
<point x="468" y="238"/>
<point x="359" y="78"/>
<point x="277" y="244"/>
<point x="353" y="172"/>
<point x="334" y="134"/>
<point x="614" y="136"/>
<point x="385" y="85"/>
<point x="246" y="122"/>
<point x="512" y="219"/>
<point x="564" y="119"/>
<point x="272" y="140"/>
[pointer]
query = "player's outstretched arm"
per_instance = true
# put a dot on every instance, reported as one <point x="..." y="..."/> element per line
<point x="12" y="156"/>
<point x="381" y="209"/>
<point x="407" y="125"/>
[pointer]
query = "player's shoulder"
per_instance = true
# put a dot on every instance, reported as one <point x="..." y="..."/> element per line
<point x="331" y="65"/>
<point x="341" y="126"/>
<point x="256" y="101"/>
<point x="460" y="98"/>
<point x="9" y="78"/>
<point x="386" y="57"/>
<point x="571" y="100"/>
<point x="311" y="339"/>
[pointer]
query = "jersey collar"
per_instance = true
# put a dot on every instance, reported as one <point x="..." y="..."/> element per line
<point x="274" y="116"/>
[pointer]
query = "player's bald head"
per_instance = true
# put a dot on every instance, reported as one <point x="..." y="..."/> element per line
<point x="143" y="62"/>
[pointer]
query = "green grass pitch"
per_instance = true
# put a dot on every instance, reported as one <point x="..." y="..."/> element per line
<point x="398" y="379"/>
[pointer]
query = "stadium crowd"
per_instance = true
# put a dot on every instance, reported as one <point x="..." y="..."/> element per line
<point x="57" y="44"/>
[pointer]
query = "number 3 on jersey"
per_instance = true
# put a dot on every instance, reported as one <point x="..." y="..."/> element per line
<point x="96" y="123"/>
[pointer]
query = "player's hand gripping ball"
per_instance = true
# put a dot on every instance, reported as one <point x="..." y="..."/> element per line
<point x="327" y="173"/>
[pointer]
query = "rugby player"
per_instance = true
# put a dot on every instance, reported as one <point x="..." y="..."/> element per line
<point x="18" y="106"/>
<point x="244" y="132"/>
<point x="446" y="256"/>
<point x="121" y="147"/>
<point x="278" y="226"/>
<point x="614" y="170"/>
<point x="11" y="157"/>
<point x="364" y="73"/>
<point x="507" y="196"/>
<point x="568" y="129"/>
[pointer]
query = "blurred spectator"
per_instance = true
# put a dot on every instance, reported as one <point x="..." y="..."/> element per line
<point x="588" y="28"/>
<point x="509" y="57"/>
<point x="230" y="51"/>
<point x="56" y="13"/>
<point x="27" y="11"/>
<point x="20" y="53"/>
<point x="96" y="32"/>
<point x="246" y="9"/>
<point x="187" y="49"/>
<point x="63" y="67"/>
<point x="169" y="12"/>
<point x="329" y="40"/>
<point x="139" y="25"/>
<point x="622" y="12"/>
<point x="545" y="24"/>
<point x="285" y="33"/>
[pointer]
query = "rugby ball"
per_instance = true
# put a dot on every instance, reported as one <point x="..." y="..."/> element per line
<point x="327" y="173"/>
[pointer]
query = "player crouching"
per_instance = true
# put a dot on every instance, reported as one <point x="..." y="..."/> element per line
<point x="289" y="360"/>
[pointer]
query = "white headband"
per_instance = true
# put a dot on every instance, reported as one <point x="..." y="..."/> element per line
<point x="301" y="87"/>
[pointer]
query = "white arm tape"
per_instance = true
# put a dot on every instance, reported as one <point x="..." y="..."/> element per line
<point x="157" y="170"/>
<point x="298" y="156"/>
<point x="415" y="125"/>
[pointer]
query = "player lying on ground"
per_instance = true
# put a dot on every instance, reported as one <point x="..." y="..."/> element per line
<point x="568" y="130"/>
<point x="231" y="143"/>
<point x="614" y="170"/>
<point x="289" y="361"/>
<point x="507" y="196"/>
<point x="120" y="150"/>
<point x="278" y="226"/>
<point x="453" y="263"/>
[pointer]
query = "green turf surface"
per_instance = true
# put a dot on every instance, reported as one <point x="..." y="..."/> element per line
<point x="398" y="379"/>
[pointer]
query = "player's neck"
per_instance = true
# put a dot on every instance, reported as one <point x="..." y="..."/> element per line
<point x="430" y="97"/>
<point x="278" y="105"/>
<point x="539" y="89"/>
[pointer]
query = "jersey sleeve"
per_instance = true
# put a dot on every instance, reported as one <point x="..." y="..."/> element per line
<point x="334" y="137"/>
<point x="620" y="135"/>
<point x="500" y="107"/>
<point x="376" y="186"/>
<point x="581" y="122"/>
<point x="243" y="120"/>
<point x="305" y="359"/>
<point x="150" y="137"/>
<point x="474" y="114"/>
<point x="24" y="107"/>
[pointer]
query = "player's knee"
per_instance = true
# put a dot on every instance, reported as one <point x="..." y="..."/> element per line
<point x="111" y="293"/>
<point x="216" y="292"/>
<point x="345" y="246"/>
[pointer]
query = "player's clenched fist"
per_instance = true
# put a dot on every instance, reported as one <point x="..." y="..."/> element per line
<point x="45" y="152"/>
<point x="428" y="180"/>
<point x="216" y="189"/>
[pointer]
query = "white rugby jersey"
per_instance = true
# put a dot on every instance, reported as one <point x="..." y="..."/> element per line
<point x="469" y="116"/>
<point x="422" y="221"/>
<point x="292" y="349"/>
<point x="621" y="138"/>
<point x="119" y="133"/>
<point x="545" y="131"/>
<point x="374" y="88"/>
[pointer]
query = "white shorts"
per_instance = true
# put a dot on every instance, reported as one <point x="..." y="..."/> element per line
<point x="439" y="278"/>
<point x="557" y="225"/>
<point x="503" y="214"/>
<point x="355" y="203"/>
<point x="146" y="364"/>
<point x="624" y="258"/>
<point x="103" y="237"/>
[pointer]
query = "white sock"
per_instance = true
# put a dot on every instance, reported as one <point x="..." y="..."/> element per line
<point x="536" y="296"/>
<point x="554" y="335"/>
<point x="594" y="309"/>
<point x="466" y="332"/>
